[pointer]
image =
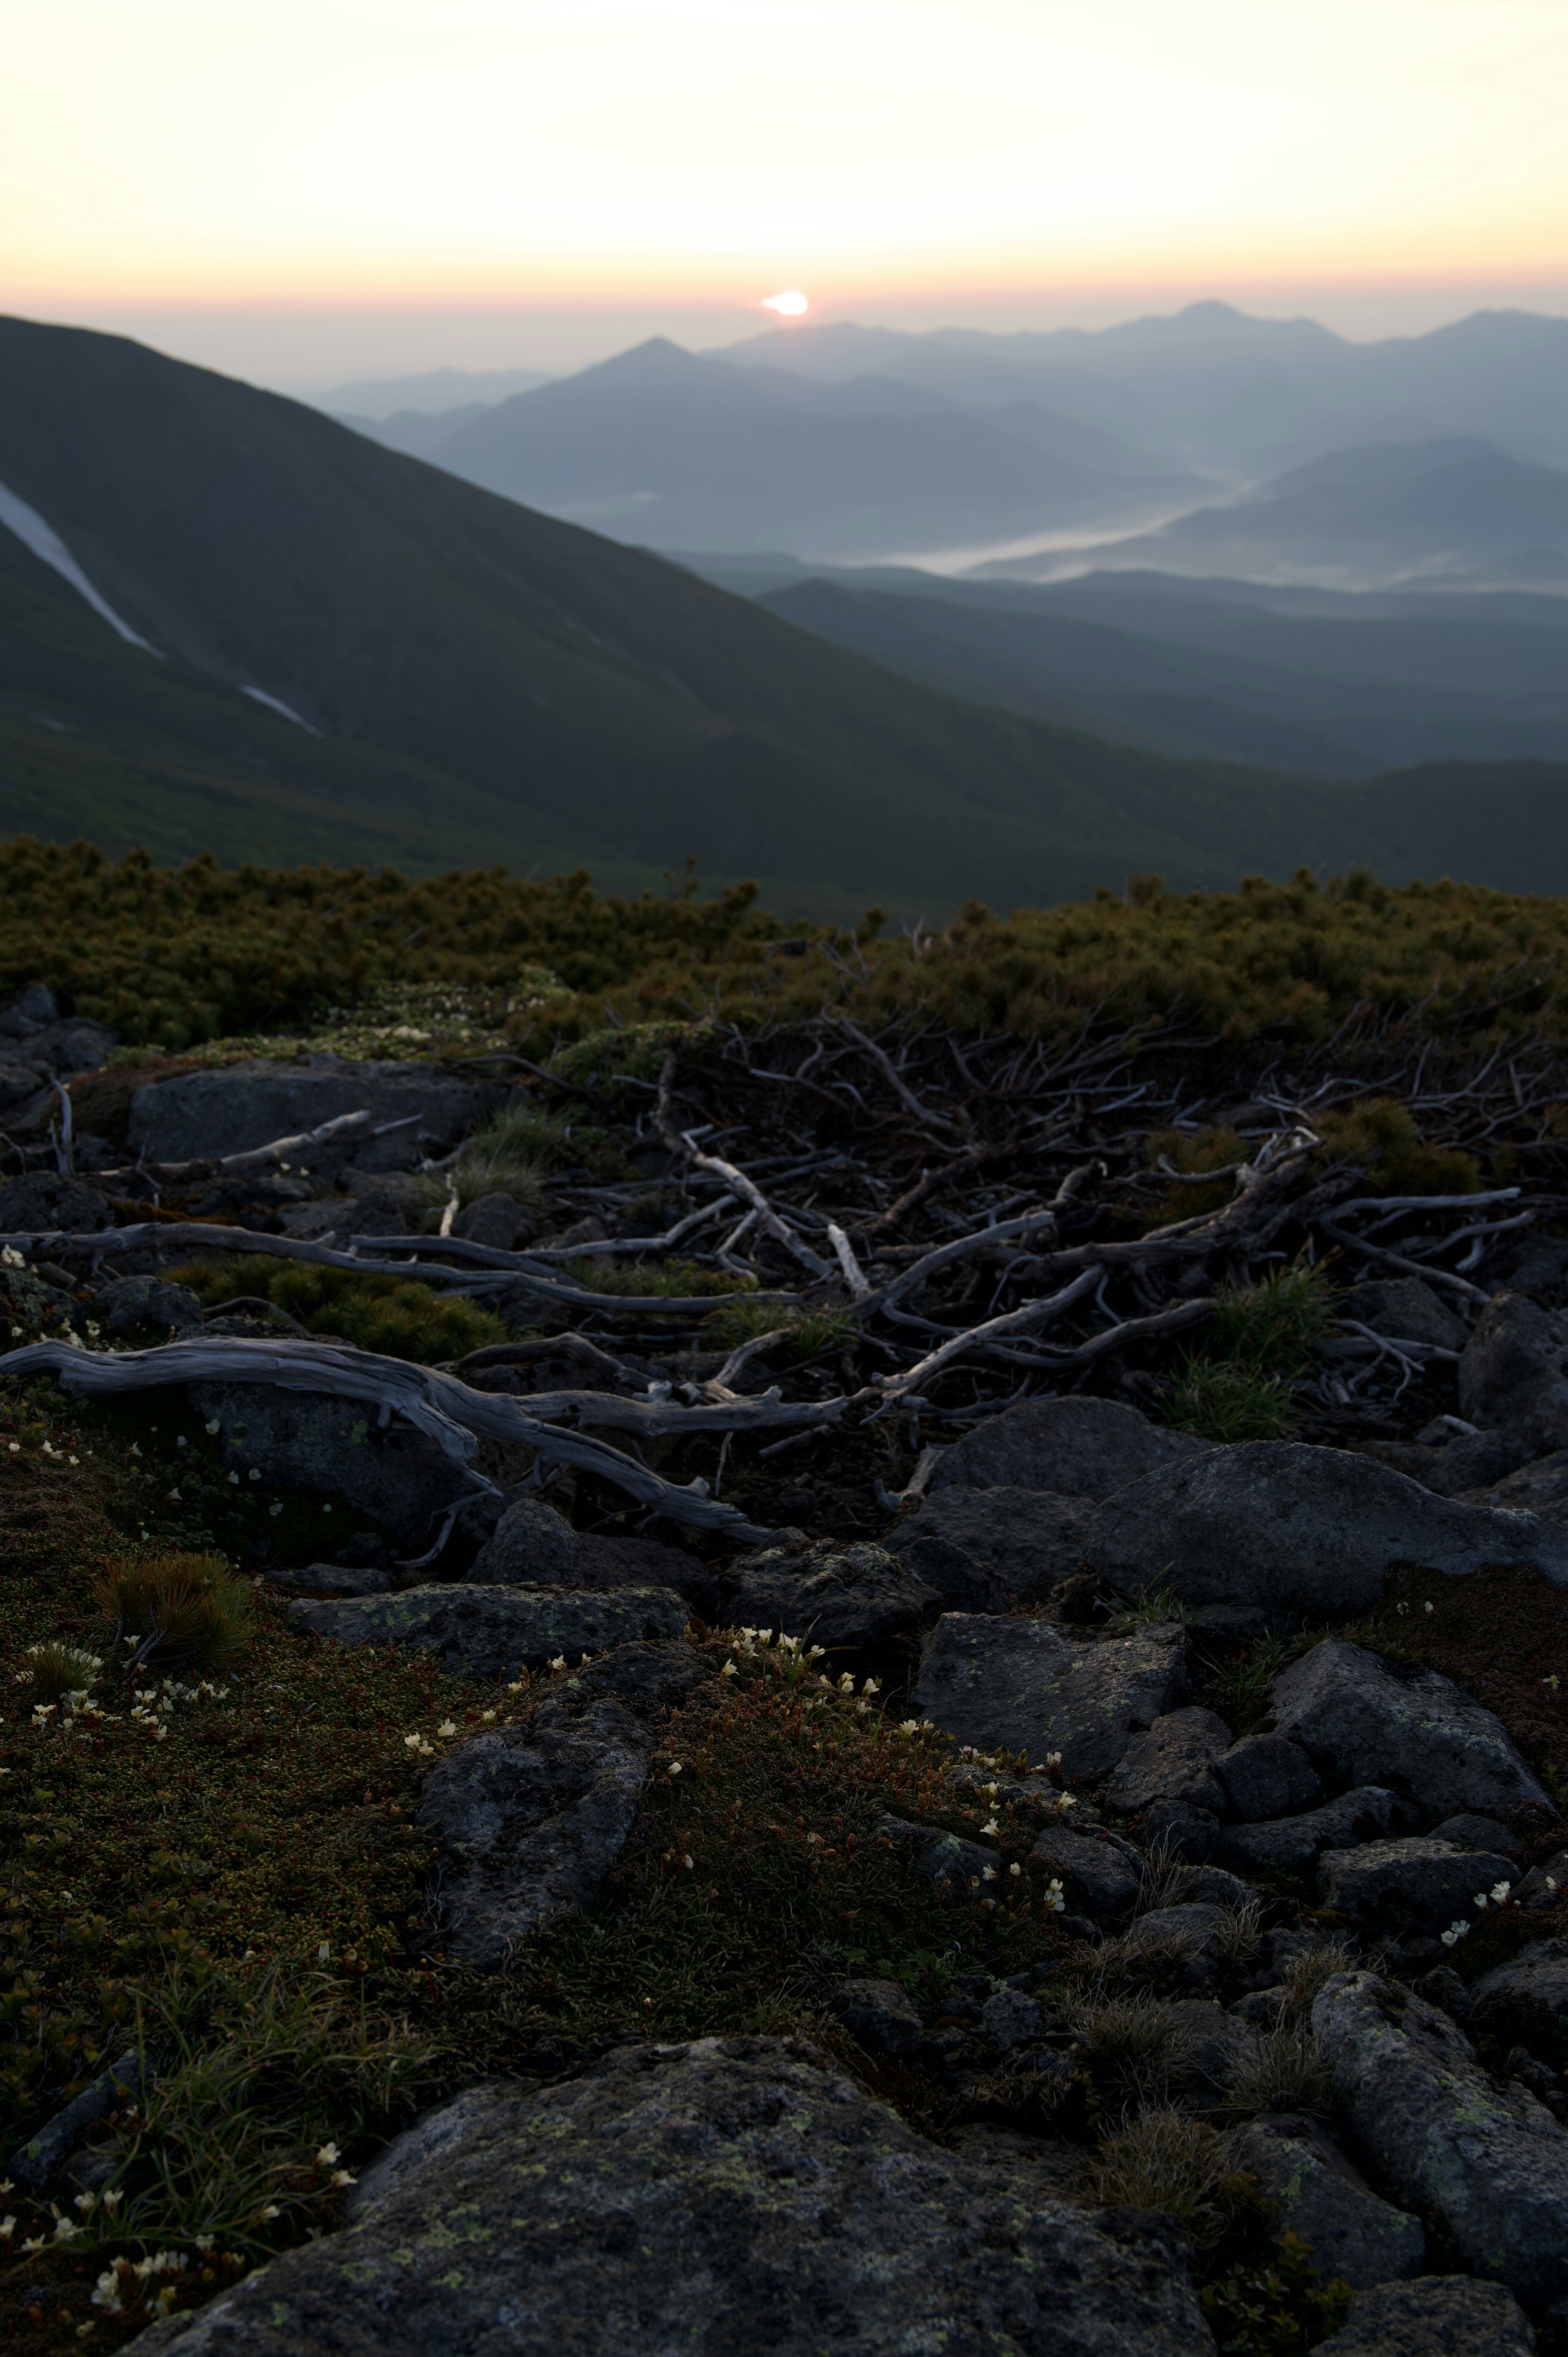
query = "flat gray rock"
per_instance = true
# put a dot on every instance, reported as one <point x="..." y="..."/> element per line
<point x="1408" y="1886"/>
<point x="1440" y="2316"/>
<point x="531" y="1819"/>
<point x="1493" y="2163"/>
<point x="840" y="1597"/>
<point x="1361" y="1724"/>
<point x="44" y="1199"/>
<point x="1078" y="1447"/>
<point x="242" y="1105"/>
<point x="1464" y="1467"/>
<point x="880" y="2016"/>
<point x="1011" y="2017"/>
<point x="494" y="1633"/>
<point x="531" y="1546"/>
<point x="1514" y="1372"/>
<point x="1299" y="1530"/>
<point x="1294" y="1845"/>
<point x="398" y="1477"/>
<point x="738" y="2194"/>
<point x="1098" y="1873"/>
<point x="1172" y="1761"/>
<point x="981" y="1549"/>
<point x="1354" y="2236"/>
<point x="1025" y="1685"/>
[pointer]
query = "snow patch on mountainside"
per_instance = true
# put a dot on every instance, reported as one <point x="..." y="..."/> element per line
<point x="43" y="540"/>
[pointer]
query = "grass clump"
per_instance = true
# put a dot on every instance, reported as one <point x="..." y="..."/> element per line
<point x="1227" y="1403"/>
<point x="1127" y="2043"/>
<point x="801" y="1333"/>
<point x="393" y="1314"/>
<point x="1165" y="2159"/>
<point x="1382" y="1137"/>
<point x="1237" y="1387"/>
<point x="673" y="1279"/>
<point x="185" y="1611"/>
<point x="56" y="1672"/>
<point x="509" y="1154"/>
<point x="1287" y="2071"/>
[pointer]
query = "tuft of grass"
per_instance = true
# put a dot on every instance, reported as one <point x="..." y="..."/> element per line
<point x="509" y="1154"/>
<point x="1278" y="1324"/>
<point x="802" y="1333"/>
<point x="1242" y="1686"/>
<point x="1306" y="1974"/>
<point x="1163" y="2160"/>
<point x="1382" y="1135"/>
<point x="679" y="1279"/>
<point x="184" y="1611"/>
<point x="1228" y="1401"/>
<point x="55" y="1669"/>
<point x="1127" y="2042"/>
<point x="395" y="1315"/>
<point x="1288" y="2071"/>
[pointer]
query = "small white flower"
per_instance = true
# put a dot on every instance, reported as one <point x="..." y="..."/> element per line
<point x="234" y="1480"/>
<point x="486" y="1716"/>
<point x="324" y="1953"/>
<point x="872" y="1685"/>
<point x="341" y="2177"/>
<point x="991" y="1827"/>
<point x="559" y="1663"/>
<point x="212" y="1429"/>
<point x="447" y="1726"/>
<point x="1014" y="1871"/>
<point x="676" y="1768"/>
<point x="689" y="1863"/>
<point x="327" y="2156"/>
<point x="729" y="1671"/>
<point x="988" y="1874"/>
<point x="847" y="1683"/>
<point x="112" y="2200"/>
<point x="908" y="1727"/>
<point x="1427" y="1608"/>
<point x="1500" y="1892"/>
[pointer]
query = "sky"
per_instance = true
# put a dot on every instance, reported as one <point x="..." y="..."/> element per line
<point x="306" y="190"/>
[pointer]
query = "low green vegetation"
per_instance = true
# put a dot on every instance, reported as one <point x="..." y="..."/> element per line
<point x="394" y="1315"/>
<point x="1237" y="1387"/>
<point x="802" y="1334"/>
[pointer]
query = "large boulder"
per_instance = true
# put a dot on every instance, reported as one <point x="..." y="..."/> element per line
<point x="1023" y="1685"/>
<point x="531" y="1819"/>
<point x="1437" y="2316"/>
<point x="982" y="1548"/>
<point x="739" y="2193"/>
<point x="230" y="1110"/>
<point x="1298" y="1530"/>
<point x="1082" y="1448"/>
<point x="1266" y="1776"/>
<point x="1294" y="1845"/>
<point x="1492" y="2162"/>
<point x="1361" y="1723"/>
<point x="398" y="1476"/>
<point x="494" y="1633"/>
<point x="1541" y="1488"/>
<point x="1410" y="1885"/>
<point x="1513" y="1372"/>
<point x="842" y="1597"/>
<point x="1101" y="1875"/>
<point x="880" y="2016"/>
<point x="531" y="1546"/>
<point x="1354" y="2236"/>
<point x="1172" y="1761"/>
<point x="1407" y="1309"/>
<point x="1465" y="1466"/>
<point x="127" y="1302"/>
<point x="1525" y="2001"/>
<point x="46" y="1199"/>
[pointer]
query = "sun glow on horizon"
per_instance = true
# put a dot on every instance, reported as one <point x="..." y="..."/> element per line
<point x="790" y="305"/>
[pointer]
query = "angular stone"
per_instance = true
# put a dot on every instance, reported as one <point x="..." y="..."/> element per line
<point x="1459" y="1467"/>
<point x="1299" y="1529"/>
<point x="1180" y="1830"/>
<point x="40" y="2160"/>
<point x="1537" y="1489"/>
<point x="946" y="1859"/>
<point x="497" y="1220"/>
<point x="1440" y="2316"/>
<point x="1099" y="1874"/>
<point x="979" y="1548"/>
<point x="398" y="1476"/>
<point x="1405" y="1310"/>
<point x="153" y="1301"/>
<point x="494" y="1633"/>
<point x="531" y="1546"/>
<point x="1172" y="1761"/>
<point x="736" y="2194"/>
<point x="1189" y="1933"/>
<point x="229" y="1110"/>
<point x="1354" y="2236"/>
<point x="1525" y="2001"/>
<point x="839" y="1596"/>
<point x="330" y="1578"/>
<point x="1492" y="2162"/>
<point x="532" y="1820"/>
<point x="1011" y="2019"/>
<point x="1268" y="1776"/>
<point x="44" y="1199"/>
<point x="881" y="2017"/>
<point x="1081" y="1447"/>
<point x="1206" y="2045"/>
<point x="647" y="1678"/>
<point x="1361" y="1723"/>
<point x="1294" y="1845"/>
<point x="1408" y="1886"/>
<point x="1023" y="1685"/>
<point x="1469" y="1831"/>
<point x="1514" y="1372"/>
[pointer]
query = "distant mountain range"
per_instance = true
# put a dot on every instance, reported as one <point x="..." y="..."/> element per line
<point x="229" y="623"/>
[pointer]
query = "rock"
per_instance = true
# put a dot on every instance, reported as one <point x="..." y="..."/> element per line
<point x="1022" y="1686"/>
<point x="1354" y="2236"/>
<point x="1544" y="1886"/>
<point x="1492" y="2163"/>
<point x="1079" y="1448"/>
<point x="1358" y="1722"/>
<point x="20" y="1084"/>
<point x="330" y="1578"/>
<point x="981" y="1548"/>
<point x="45" y="1200"/>
<point x="1442" y="1987"/>
<point x="1541" y="1488"/>
<point x="533" y="1820"/>
<point x="73" y="1046"/>
<point x="1294" y="1845"/>
<point x="1011" y="2019"/>
<point x="1299" y="1530"/>
<point x="228" y="1110"/>
<point x="946" y="1859"/>
<point x="498" y="1220"/>
<point x="735" y="2195"/>
<point x="1466" y="1463"/>
<point x="1172" y="1761"/>
<point x="328" y="1217"/>
<point x="881" y="2017"/>
<point x="494" y="1633"/>
<point x="32" y="1009"/>
<point x="1441" y="2316"/>
<point x="1470" y="1831"/>
<point x="1408" y="1886"/>
<point x="531" y="1546"/>
<point x="1189" y="1934"/>
<point x="1526" y="2000"/>
<point x="1268" y="1776"/>
<point x="839" y="1596"/>
<point x="40" y="2161"/>
<point x="1099" y="1874"/>
<point x="1182" y="1831"/>
<point x="604" y="1560"/>
<point x="398" y="1476"/>
<point x="1514" y="1372"/>
<point x="647" y="1678"/>
<point x="1206" y="2045"/>
<point x="131" y="1301"/>
<point x="1406" y="1310"/>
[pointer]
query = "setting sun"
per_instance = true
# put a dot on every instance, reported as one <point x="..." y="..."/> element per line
<point x="790" y="305"/>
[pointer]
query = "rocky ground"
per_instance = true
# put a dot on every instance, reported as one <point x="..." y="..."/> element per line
<point x="885" y="1407"/>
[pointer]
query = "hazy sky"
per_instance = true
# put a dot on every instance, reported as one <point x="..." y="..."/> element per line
<point x="327" y="184"/>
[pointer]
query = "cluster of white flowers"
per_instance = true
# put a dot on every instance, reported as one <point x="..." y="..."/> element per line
<point x="1496" y="1897"/>
<point x="109" y="2291"/>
